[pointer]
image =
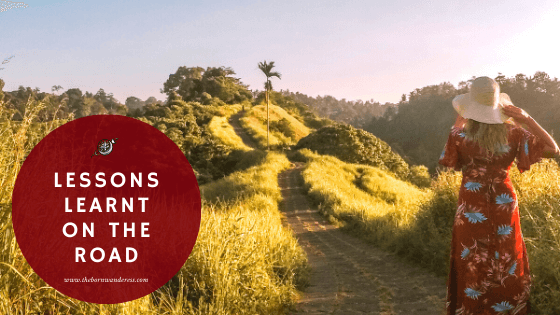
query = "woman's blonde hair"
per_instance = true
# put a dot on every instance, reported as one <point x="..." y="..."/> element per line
<point x="491" y="137"/>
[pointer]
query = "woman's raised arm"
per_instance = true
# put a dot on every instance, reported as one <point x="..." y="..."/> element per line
<point x="522" y="117"/>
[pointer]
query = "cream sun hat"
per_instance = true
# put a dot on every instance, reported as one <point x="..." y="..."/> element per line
<point x="483" y="103"/>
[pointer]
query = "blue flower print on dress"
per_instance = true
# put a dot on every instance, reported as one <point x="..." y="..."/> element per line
<point x="475" y="217"/>
<point x="465" y="253"/>
<point x="442" y="154"/>
<point x="472" y="293"/>
<point x="462" y="134"/>
<point x="504" y="148"/>
<point x="512" y="269"/>
<point x="503" y="199"/>
<point x="497" y="255"/>
<point x="502" y="307"/>
<point x="504" y="230"/>
<point x="472" y="186"/>
<point x="526" y="148"/>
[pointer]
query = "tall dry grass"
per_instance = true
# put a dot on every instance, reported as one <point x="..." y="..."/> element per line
<point x="21" y="290"/>
<point x="285" y="130"/>
<point x="366" y="200"/>
<point x="244" y="261"/>
<point x="254" y="264"/>
<point x="421" y="231"/>
<point x="224" y="132"/>
<point x="539" y="206"/>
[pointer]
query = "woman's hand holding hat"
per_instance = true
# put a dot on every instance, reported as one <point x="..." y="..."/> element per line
<point x="521" y="117"/>
<point x="516" y="113"/>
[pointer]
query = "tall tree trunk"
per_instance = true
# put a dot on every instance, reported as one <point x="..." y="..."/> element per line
<point x="267" y="121"/>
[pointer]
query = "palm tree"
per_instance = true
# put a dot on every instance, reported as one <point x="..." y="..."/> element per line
<point x="56" y="88"/>
<point x="267" y="70"/>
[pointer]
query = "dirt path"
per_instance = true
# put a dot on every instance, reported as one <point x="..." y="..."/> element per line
<point x="350" y="276"/>
<point x="234" y="122"/>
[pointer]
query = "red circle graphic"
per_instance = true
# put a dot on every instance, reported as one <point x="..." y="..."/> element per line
<point x="106" y="228"/>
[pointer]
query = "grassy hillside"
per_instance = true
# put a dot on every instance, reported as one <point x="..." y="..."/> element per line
<point x="244" y="261"/>
<point x="221" y="130"/>
<point x="365" y="199"/>
<point x="285" y="130"/>
<point x="298" y="110"/>
<point x="417" y="224"/>
<point x="358" y="146"/>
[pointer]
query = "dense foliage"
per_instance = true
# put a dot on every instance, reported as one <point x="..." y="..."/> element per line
<point x="356" y="113"/>
<point x="419" y="128"/>
<point x="362" y="198"/>
<point x="210" y="86"/>
<point x="136" y="107"/>
<point x="186" y="123"/>
<point x="358" y="146"/>
<point x="71" y="103"/>
<point x="184" y="117"/>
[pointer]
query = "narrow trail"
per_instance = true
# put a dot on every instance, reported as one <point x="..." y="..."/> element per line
<point x="234" y="122"/>
<point x="350" y="276"/>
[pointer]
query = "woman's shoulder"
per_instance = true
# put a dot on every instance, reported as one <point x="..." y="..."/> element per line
<point x="515" y="130"/>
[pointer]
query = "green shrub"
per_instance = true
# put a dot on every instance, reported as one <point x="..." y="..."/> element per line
<point x="420" y="176"/>
<point x="355" y="146"/>
<point x="283" y="126"/>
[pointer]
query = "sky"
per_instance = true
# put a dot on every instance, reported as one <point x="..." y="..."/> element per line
<point x="347" y="49"/>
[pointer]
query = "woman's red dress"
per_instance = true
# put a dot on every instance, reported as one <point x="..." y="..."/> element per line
<point x="489" y="267"/>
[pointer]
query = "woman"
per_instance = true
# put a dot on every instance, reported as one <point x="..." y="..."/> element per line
<point x="489" y="266"/>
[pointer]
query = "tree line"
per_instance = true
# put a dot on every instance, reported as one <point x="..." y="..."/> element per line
<point x="419" y="126"/>
<point x="210" y="86"/>
<point x="72" y="102"/>
<point x="356" y="113"/>
<point x="194" y="96"/>
<point x="416" y="128"/>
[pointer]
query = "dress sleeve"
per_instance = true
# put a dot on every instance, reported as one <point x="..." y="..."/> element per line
<point x="529" y="150"/>
<point x="450" y="155"/>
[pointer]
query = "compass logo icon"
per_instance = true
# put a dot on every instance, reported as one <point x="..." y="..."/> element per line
<point x="105" y="147"/>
